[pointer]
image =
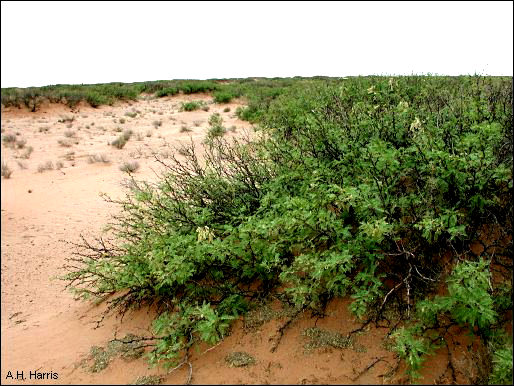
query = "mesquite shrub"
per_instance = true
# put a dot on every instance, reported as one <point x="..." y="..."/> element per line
<point x="355" y="187"/>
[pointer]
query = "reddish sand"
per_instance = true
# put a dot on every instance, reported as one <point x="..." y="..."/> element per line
<point x="44" y="329"/>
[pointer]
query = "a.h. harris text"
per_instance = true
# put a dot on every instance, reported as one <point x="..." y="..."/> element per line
<point x="32" y="375"/>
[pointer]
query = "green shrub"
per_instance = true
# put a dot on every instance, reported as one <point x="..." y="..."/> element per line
<point x="95" y="99"/>
<point x="222" y="97"/>
<point x="193" y="87"/>
<point x="190" y="106"/>
<point x="355" y="188"/>
<point x="167" y="91"/>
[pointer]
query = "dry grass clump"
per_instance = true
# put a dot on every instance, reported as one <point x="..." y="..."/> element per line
<point x="131" y="114"/>
<point x="95" y="158"/>
<point x="157" y="124"/>
<point x="149" y="133"/>
<point x="21" y="165"/>
<point x="185" y="129"/>
<point x="257" y="317"/>
<point x="226" y="109"/>
<point x="44" y="129"/>
<point x="69" y="156"/>
<point x="239" y="359"/>
<point x="324" y="338"/>
<point x="128" y="348"/>
<point x="121" y="141"/>
<point x="148" y="380"/>
<point x="5" y="170"/>
<point x="59" y="165"/>
<point x="48" y="165"/>
<point x="197" y="123"/>
<point x="129" y="167"/>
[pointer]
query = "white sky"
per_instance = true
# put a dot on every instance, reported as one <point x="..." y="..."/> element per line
<point x="95" y="42"/>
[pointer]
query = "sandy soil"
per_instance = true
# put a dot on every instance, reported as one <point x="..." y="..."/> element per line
<point x="44" y="329"/>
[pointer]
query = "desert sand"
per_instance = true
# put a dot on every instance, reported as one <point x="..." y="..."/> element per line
<point x="45" y="330"/>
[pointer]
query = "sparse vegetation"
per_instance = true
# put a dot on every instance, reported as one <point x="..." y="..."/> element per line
<point x="69" y="133"/>
<point x="239" y="359"/>
<point x="48" y="165"/>
<point x="318" y="337"/>
<point x="9" y="140"/>
<point x="157" y="124"/>
<point x="216" y="128"/>
<point x="148" y="380"/>
<point x="128" y="348"/>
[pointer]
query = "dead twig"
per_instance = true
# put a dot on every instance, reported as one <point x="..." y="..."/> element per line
<point x="367" y="368"/>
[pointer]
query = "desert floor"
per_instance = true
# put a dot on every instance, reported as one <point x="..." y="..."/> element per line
<point x="44" y="329"/>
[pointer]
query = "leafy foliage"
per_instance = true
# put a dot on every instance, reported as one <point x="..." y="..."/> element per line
<point x="352" y="187"/>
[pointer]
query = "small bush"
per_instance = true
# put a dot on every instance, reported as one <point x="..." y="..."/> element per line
<point x="185" y="129"/>
<point x="190" y="106"/>
<point x="44" y="129"/>
<point x="215" y="120"/>
<point x="120" y="142"/>
<point x="122" y="120"/>
<point x="129" y="167"/>
<point x="131" y="114"/>
<point x="69" y="133"/>
<point x="226" y="109"/>
<point x="157" y="124"/>
<point x="239" y="359"/>
<point x="59" y="165"/>
<point x="6" y="171"/>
